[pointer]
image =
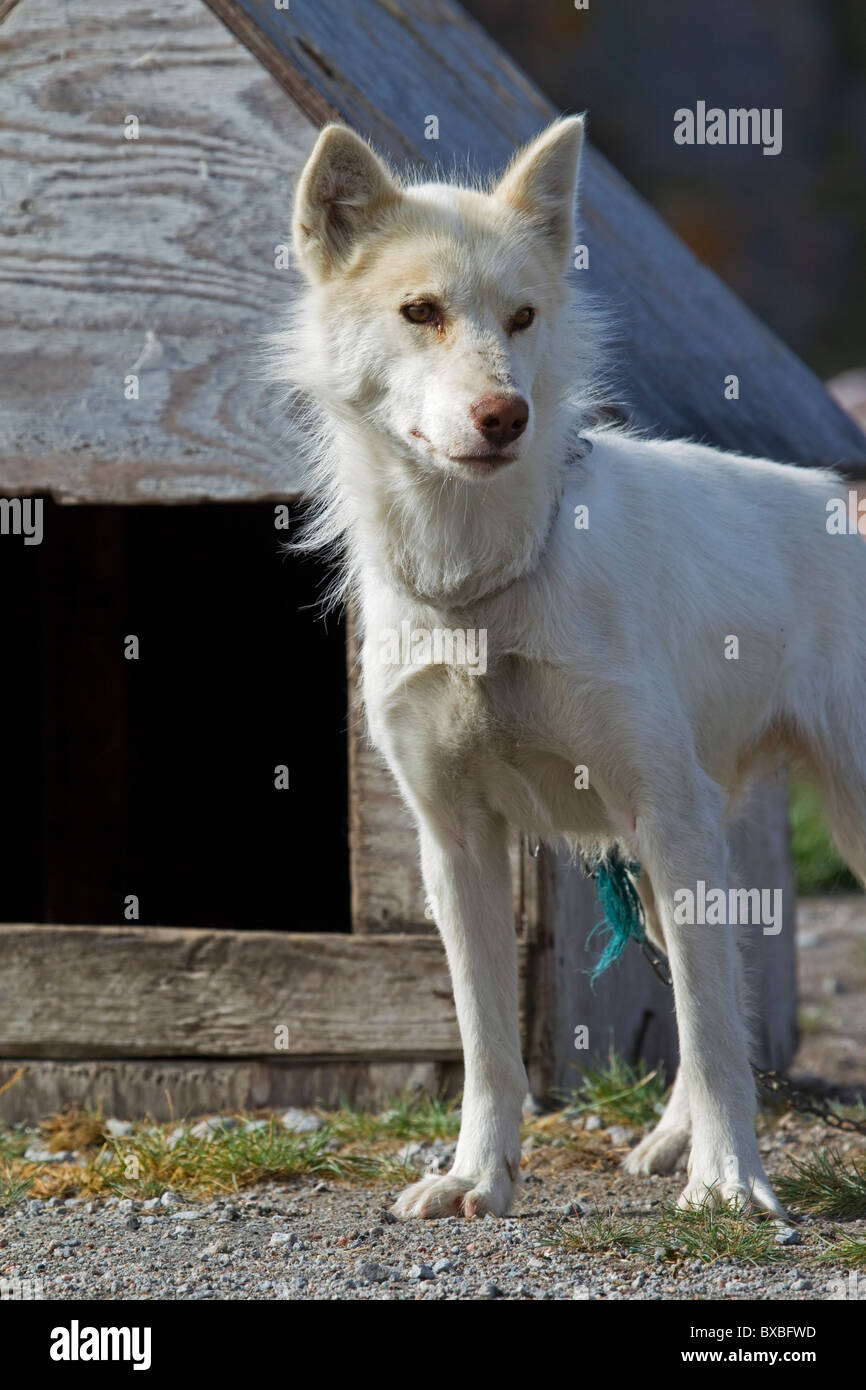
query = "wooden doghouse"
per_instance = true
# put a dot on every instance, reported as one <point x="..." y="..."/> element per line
<point x="281" y="951"/>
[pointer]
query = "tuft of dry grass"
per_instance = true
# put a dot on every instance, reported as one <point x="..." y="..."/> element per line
<point x="148" y="1162"/>
<point x="156" y="1157"/>
<point x="73" y="1129"/>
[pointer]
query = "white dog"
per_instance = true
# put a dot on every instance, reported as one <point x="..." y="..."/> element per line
<point x="450" y="369"/>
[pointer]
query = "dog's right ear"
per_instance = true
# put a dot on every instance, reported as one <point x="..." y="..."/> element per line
<point x="343" y="190"/>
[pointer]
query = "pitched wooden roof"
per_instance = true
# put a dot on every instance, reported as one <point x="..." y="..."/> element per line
<point x="152" y="257"/>
<point x="156" y="256"/>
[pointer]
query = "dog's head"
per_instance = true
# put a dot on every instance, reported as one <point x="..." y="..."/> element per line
<point x="437" y="313"/>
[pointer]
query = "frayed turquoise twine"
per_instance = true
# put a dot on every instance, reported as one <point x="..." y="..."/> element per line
<point x="624" y="918"/>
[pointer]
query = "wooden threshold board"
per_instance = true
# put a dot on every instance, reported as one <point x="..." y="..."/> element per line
<point x="85" y="992"/>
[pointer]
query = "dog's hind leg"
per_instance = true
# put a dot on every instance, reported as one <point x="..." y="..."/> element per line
<point x="664" y="1146"/>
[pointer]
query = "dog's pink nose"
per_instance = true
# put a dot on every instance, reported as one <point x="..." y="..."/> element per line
<point x="500" y="419"/>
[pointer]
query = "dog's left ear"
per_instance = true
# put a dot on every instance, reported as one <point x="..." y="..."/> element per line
<point x="541" y="181"/>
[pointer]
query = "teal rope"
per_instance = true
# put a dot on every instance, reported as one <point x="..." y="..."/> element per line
<point x="624" y="918"/>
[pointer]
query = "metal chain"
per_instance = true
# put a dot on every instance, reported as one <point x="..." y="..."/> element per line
<point x="807" y="1103"/>
<point x="658" y="963"/>
<point x="803" y="1101"/>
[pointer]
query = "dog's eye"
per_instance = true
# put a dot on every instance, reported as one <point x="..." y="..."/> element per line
<point x="522" y="319"/>
<point x="419" y="312"/>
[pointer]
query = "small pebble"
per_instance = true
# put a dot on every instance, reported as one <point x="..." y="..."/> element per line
<point x="300" y="1121"/>
<point x="118" y="1129"/>
<point x="620" y="1136"/>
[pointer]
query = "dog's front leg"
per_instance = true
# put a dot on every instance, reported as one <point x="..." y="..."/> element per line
<point x="468" y="880"/>
<point x="684" y="853"/>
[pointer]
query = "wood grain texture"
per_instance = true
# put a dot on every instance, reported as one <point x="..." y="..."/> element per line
<point x="156" y="255"/>
<point x="385" y="65"/>
<point x="171" y="1089"/>
<point x="152" y="256"/>
<point x="76" y="992"/>
<point x="164" y="991"/>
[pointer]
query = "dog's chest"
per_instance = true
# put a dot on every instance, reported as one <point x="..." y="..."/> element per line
<point x="512" y="735"/>
<point x="534" y="765"/>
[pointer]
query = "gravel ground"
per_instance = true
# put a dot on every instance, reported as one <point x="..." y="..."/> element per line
<point x="315" y="1240"/>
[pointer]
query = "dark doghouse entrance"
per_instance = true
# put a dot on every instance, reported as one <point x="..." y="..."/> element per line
<point x="155" y="777"/>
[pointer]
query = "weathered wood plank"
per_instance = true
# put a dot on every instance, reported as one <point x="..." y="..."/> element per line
<point x="164" y="991"/>
<point x="75" y="992"/>
<point x="153" y="257"/>
<point x="386" y="65"/>
<point x="170" y="1089"/>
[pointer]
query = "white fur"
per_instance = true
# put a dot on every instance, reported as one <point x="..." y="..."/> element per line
<point x="605" y="645"/>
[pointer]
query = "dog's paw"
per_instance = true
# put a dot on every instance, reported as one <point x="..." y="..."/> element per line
<point x="730" y="1181"/>
<point x="452" y="1195"/>
<point x="659" y="1152"/>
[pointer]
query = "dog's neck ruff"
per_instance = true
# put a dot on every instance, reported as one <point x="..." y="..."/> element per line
<point x="455" y="599"/>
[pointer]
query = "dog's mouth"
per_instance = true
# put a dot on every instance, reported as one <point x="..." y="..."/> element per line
<point x="480" y="462"/>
